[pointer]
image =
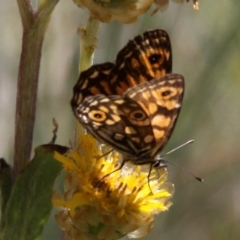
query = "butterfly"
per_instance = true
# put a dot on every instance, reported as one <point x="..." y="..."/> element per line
<point x="138" y="123"/>
<point x="144" y="58"/>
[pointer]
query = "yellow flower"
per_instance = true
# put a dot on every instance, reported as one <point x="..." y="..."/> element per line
<point x="125" y="11"/>
<point x="98" y="203"/>
<point x="162" y="5"/>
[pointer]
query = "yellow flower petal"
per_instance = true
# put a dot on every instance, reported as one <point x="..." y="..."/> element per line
<point x="98" y="203"/>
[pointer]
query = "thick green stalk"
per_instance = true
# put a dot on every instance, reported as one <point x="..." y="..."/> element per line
<point x="34" y="28"/>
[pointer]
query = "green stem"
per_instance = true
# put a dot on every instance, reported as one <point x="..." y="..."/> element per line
<point x="88" y="44"/>
<point x="34" y="27"/>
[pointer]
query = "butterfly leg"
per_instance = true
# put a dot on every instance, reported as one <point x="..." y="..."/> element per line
<point x="105" y="154"/>
<point x="99" y="183"/>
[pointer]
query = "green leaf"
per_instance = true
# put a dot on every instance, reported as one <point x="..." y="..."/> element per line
<point x="5" y="187"/>
<point x="30" y="202"/>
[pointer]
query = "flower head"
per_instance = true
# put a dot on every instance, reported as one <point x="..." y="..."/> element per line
<point x="98" y="203"/>
<point x="125" y="11"/>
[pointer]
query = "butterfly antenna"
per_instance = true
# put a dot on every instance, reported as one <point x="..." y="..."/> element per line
<point x="165" y="162"/>
<point x="173" y="150"/>
<point x="184" y="169"/>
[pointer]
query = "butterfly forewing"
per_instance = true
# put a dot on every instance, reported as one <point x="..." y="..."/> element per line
<point x="139" y="123"/>
<point x="146" y="57"/>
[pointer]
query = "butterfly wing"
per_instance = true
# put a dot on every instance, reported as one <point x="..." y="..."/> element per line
<point x="139" y="123"/>
<point x="118" y="122"/>
<point x="161" y="99"/>
<point x="145" y="57"/>
<point x="91" y="82"/>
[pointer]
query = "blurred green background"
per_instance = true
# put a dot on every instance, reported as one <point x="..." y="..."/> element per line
<point x="206" y="51"/>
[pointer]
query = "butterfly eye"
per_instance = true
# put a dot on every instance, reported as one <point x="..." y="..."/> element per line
<point x="97" y="116"/>
<point x="155" y="58"/>
<point x="137" y="115"/>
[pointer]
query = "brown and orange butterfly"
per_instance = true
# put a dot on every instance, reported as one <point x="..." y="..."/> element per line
<point x="132" y="105"/>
